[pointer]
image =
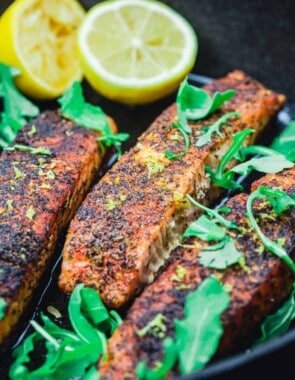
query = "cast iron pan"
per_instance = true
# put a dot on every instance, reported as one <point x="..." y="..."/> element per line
<point x="272" y="359"/>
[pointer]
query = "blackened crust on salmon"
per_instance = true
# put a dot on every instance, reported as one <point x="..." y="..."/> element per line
<point x="132" y="219"/>
<point x="38" y="196"/>
<point x="255" y="290"/>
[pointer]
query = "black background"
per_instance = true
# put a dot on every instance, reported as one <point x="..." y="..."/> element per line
<point x="257" y="37"/>
<point x="253" y="35"/>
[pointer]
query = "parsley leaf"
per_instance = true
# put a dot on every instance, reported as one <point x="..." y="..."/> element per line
<point x="17" y="110"/>
<point x="196" y="103"/>
<point x="214" y="128"/>
<point x="279" y="322"/>
<point x="198" y="334"/>
<point x="281" y="202"/>
<point x="285" y="142"/>
<point x="70" y="353"/>
<point x="2" y="308"/>
<point x="222" y="257"/>
<point x="84" y="114"/>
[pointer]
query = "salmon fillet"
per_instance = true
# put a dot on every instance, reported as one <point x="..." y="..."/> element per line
<point x="254" y="293"/>
<point x="38" y="197"/>
<point x="131" y="220"/>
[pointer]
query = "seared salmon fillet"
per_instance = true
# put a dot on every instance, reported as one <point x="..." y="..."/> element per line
<point x="255" y="290"/>
<point x="38" y="197"/>
<point x="133" y="217"/>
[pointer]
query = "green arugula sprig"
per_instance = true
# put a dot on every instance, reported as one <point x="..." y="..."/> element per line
<point x="159" y="373"/>
<point x="70" y="353"/>
<point x="206" y="137"/>
<point x="279" y="322"/>
<point x="30" y="149"/>
<point x="17" y="110"/>
<point x="222" y="254"/>
<point x="270" y="161"/>
<point x="194" y="103"/>
<point x="285" y="142"/>
<point x="196" y="336"/>
<point x="225" y="177"/>
<point x="214" y="214"/>
<point x="221" y="176"/>
<point x="84" y="114"/>
<point x="2" y="307"/>
<point x="185" y="130"/>
<point x="280" y="202"/>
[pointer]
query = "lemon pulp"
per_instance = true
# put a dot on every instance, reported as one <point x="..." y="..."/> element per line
<point x="40" y="38"/>
<point x="136" y="51"/>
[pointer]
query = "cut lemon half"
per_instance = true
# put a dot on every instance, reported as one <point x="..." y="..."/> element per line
<point x="40" y="38"/>
<point x="136" y="51"/>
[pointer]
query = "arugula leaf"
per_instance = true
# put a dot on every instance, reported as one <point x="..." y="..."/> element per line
<point x="198" y="334"/>
<point x="271" y="164"/>
<point x="222" y="254"/>
<point x="214" y="214"/>
<point x="205" y="229"/>
<point x="279" y="322"/>
<point x="92" y="374"/>
<point x="184" y="128"/>
<point x="70" y="354"/>
<point x="279" y="199"/>
<point x="26" y="148"/>
<point x="74" y="106"/>
<point x="97" y="313"/>
<point x="182" y="117"/>
<point x="84" y="114"/>
<point x="18" y="110"/>
<point x="170" y="356"/>
<point x="18" y="370"/>
<point x="257" y="150"/>
<point x="225" y="178"/>
<point x="172" y="156"/>
<point x="285" y="142"/>
<point x="221" y="258"/>
<point x="83" y="328"/>
<point x="214" y="128"/>
<point x="196" y="103"/>
<point x="2" y="307"/>
<point x="280" y="204"/>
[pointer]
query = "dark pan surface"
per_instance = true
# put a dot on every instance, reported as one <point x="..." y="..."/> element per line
<point x="270" y="357"/>
<point x="258" y="37"/>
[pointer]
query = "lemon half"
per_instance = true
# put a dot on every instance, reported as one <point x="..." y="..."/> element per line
<point x="40" y="38"/>
<point x="136" y="51"/>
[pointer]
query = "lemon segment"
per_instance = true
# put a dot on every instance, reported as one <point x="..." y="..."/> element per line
<point x="40" y="38"/>
<point x="136" y="51"/>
